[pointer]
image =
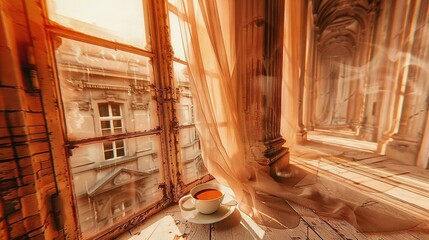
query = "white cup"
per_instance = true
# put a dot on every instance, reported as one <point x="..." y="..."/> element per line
<point x="203" y="206"/>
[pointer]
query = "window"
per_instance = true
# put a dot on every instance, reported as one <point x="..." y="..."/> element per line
<point x="119" y="210"/>
<point x="115" y="92"/>
<point x="190" y="151"/>
<point x="111" y="123"/>
<point x="127" y="26"/>
<point x="114" y="149"/>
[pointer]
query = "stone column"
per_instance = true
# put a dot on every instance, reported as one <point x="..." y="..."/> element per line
<point x="273" y="61"/>
<point x="306" y="54"/>
<point x="368" y="120"/>
<point x="413" y="92"/>
<point x="389" y="97"/>
<point x="259" y="70"/>
<point x="423" y="155"/>
<point x="312" y="91"/>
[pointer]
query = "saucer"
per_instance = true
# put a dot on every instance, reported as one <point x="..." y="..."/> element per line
<point x="196" y="217"/>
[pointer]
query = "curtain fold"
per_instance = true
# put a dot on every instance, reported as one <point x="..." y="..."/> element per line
<point x="207" y="29"/>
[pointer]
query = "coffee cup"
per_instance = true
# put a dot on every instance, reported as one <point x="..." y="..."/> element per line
<point x="205" y="198"/>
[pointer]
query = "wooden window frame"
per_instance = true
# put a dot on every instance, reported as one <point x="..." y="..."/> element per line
<point x="162" y="61"/>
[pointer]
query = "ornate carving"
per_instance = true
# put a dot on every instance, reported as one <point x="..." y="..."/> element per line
<point x="122" y="178"/>
<point x="141" y="102"/>
<point x="77" y="84"/>
<point x="139" y="106"/>
<point x="83" y="106"/>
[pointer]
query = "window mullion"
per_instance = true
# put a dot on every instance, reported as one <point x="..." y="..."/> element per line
<point x="115" y="155"/>
<point x="112" y="128"/>
<point x="120" y="136"/>
<point x="166" y="96"/>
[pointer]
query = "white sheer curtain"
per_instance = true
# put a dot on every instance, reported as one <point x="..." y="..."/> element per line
<point x="208" y="36"/>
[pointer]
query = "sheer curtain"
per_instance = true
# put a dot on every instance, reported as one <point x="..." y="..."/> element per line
<point x="209" y="41"/>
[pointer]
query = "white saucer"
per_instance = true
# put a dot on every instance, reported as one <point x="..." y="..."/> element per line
<point x="195" y="217"/>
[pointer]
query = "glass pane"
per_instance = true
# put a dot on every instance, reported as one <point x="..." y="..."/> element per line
<point x="119" y="144"/>
<point x="108" y="155"/>
<point x="116" y="110"/>
<point x="106" y="132"/>
<point x="116" y="20"/>
<point x="132" y="183"/>
<point x="190" y="153"/>
<point x="103" y="109"/>
<point x="184" y="106"/>
<point x="107" y="145"/>
<point x="105" y="124"/>
<point x="120" y="152"/>
<point x="114" y="78"/>
<point x="117" y="123"/>
<point x="176" y="36"/>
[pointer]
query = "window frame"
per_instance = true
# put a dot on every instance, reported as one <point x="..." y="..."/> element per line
<point x="111" y="118"/>
<point x="162" y="61"/>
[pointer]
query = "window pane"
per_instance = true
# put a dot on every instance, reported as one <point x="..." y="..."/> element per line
<point x="105" y="124"/>
<point x="103" y="108"/>
<point x="176" y="36"/>
<point x="119" y="144"/>
<point x="114" y="78"/>
<point x="190" y="154"/>
<point x="96" y="182"/>
<point x="108" y="155"/>
<point x="106" y="132"/>
<point x="120" y="152"/>
<point x="185" y="110"/>
<point x="117" y="123"/>
<point x="116" y="110"/>
<point x="115" y="20"/>
<point x="107" y="146"/>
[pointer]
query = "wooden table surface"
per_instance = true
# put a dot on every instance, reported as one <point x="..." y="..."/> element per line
<point x="408" y="191"/>
<point x="169" y="224"/>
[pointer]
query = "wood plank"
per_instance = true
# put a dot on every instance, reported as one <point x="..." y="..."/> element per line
<point x="195" y="231"/>
<point x="240" y="226"/>
<point x="368" y="161"/>
<point x="167" y="224"/>
<point x="311" y="226"/>
<point x="390" y="236"/>
<point x="421" y="232"/>
<point x="344" y="229"/>
<point x="231" y="228"/>
<point x="188" y="230"/>
<point x="315" y="223"/>
<point x="303" y="231"/>
<point x="381" y="180"/>
<point x="359" y="155"/>
<point x="347" y="231"/>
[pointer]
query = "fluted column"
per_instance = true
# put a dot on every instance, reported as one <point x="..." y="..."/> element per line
<point x="389" y="99"/>
<point x="412" y="95"/>
<point x="259" y="69"/>
<point x="273" y="53"/>
<point x="307" y="54"/>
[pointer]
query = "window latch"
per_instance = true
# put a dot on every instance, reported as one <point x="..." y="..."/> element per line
<point x="69" y="147"/>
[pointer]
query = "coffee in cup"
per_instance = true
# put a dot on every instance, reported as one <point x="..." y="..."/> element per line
<point x="206" y="198"/>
